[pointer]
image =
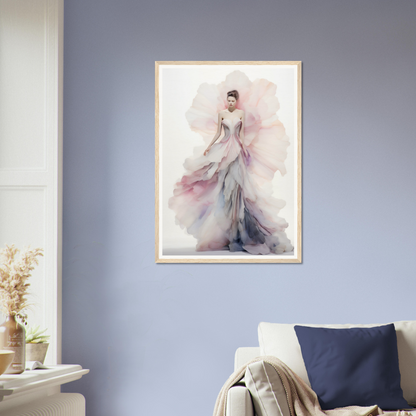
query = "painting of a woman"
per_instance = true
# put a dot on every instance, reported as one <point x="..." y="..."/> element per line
<point x="221" y="199"/>
<point x="228" y="162"/>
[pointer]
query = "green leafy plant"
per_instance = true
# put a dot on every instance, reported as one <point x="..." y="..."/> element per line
<point x="34" y="336"/>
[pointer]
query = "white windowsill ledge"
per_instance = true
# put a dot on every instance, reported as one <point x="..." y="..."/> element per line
<point x="35" y="384"/>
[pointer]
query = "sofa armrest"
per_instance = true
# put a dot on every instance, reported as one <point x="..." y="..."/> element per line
<point x="239" y="402"/>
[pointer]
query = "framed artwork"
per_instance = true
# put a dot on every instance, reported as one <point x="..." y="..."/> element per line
<point x="228" y="161"/>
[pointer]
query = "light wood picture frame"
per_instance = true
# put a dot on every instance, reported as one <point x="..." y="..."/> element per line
<point x="238" y="200"/>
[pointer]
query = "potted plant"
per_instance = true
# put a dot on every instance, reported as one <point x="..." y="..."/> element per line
<point x="36" y="344"/>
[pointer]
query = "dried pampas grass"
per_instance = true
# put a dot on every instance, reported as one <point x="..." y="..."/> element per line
<point x="14" y="273"/>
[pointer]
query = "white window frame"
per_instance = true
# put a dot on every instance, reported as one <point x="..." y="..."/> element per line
<point x="46" y="178"/>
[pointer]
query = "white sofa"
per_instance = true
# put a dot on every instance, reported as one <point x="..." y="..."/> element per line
<point x="280" y="340"/>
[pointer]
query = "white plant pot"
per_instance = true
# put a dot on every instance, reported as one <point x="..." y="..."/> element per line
<point x="36" y="352"/>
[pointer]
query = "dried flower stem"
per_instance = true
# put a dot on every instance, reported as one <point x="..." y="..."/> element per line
<point x="14" y="274"/>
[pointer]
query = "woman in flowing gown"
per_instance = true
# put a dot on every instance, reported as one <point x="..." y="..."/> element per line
<point x="221" y="201"/>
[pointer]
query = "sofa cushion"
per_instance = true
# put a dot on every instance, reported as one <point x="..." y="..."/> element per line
<point x="266" y="390"/>
<point x="356" y="366"/>
<point x="281" y="341"/>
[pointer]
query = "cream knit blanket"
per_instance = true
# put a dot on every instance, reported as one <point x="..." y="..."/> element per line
<point x="302" y="400"/>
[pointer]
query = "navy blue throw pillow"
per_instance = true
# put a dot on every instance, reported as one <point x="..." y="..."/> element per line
<point x="355" y="366"/>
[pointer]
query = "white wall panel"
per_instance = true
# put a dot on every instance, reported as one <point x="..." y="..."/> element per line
<point x="22" y="84"/>
<point x="22" y="215"/>
<point x="22" y="222"/>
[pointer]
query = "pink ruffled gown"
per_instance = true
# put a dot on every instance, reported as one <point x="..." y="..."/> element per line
<point x="224" y="199"/>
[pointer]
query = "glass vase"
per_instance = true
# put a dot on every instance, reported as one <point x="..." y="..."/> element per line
<point x="13" y="338"/>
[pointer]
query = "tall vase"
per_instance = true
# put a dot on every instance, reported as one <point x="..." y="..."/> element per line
<point x="12" y="337"/>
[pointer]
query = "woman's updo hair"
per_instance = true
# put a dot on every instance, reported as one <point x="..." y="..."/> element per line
<point x="233" y="93"/>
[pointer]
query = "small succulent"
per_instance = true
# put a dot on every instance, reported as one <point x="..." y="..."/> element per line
<point x="34" y="336"/>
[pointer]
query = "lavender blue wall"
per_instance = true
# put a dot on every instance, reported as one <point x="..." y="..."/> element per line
<point x="160" y="339"/>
